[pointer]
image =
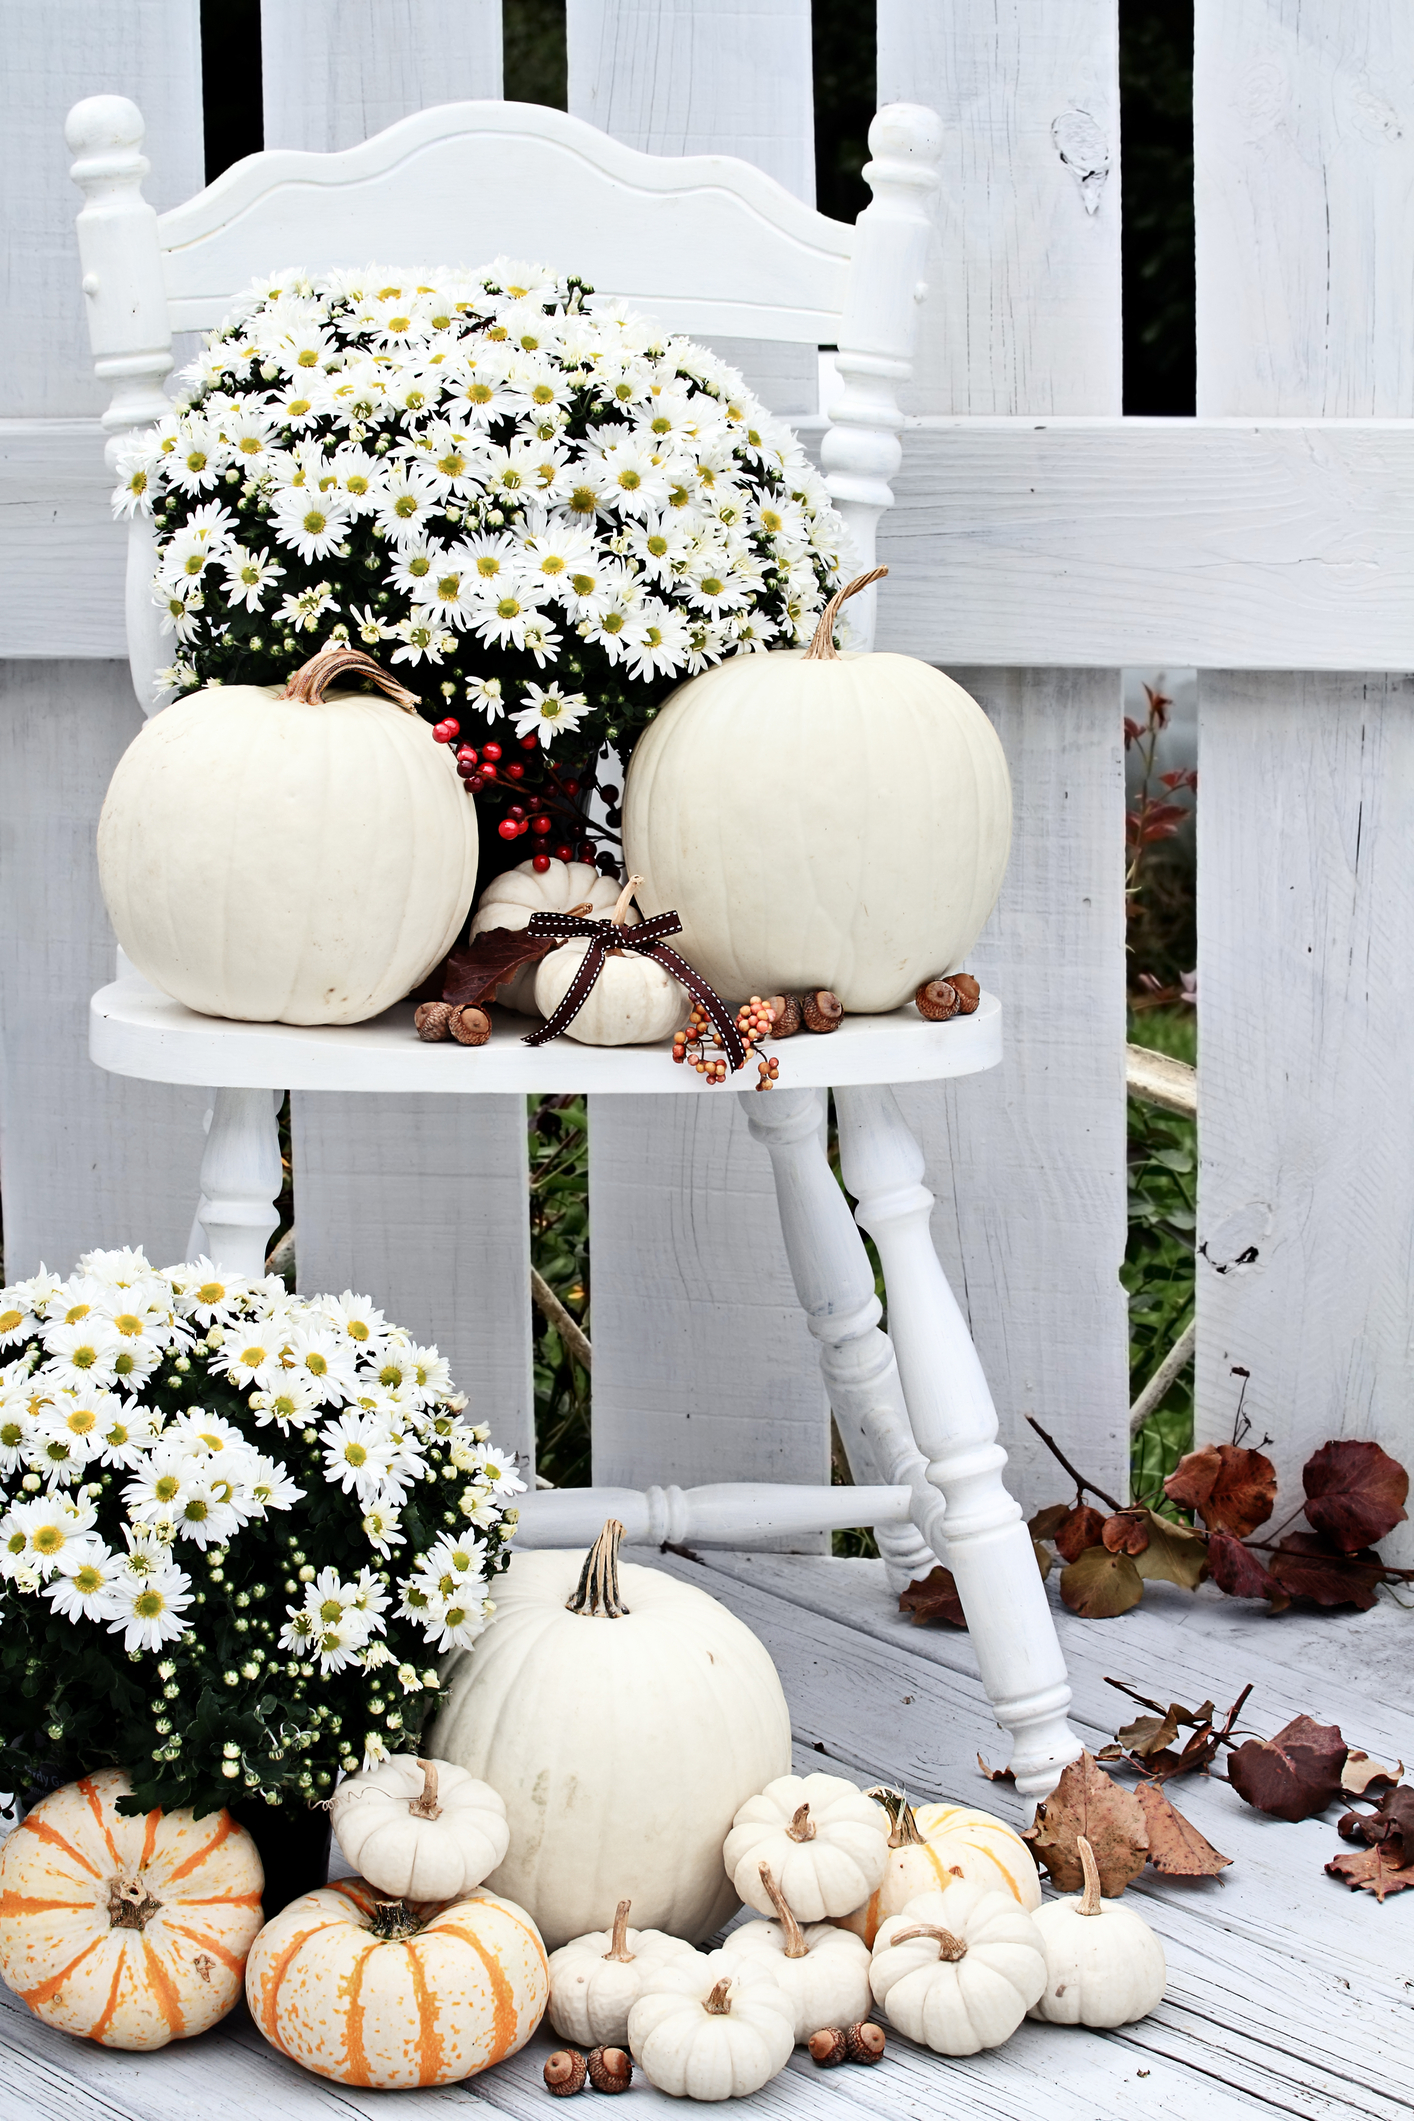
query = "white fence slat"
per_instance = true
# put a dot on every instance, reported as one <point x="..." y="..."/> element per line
<point x="1023" y="309"/>
<point x="1304" y="183"/>
<point x="422" y="1203"/>
<point x="85" y="1158"/>
<point x="54" y="54"/>
<point x="337" y="71"/>
<point x="1029" y="1167"/>
<point x="694" y="1314"/>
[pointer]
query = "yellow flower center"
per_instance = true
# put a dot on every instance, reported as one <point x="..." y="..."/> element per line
<point x="149" y="1604"/>
<point x="508" y="608"/>
<point x="165" y="1487"/>
<point x="307" y="358"/>
<point x="211" y="1292"/>
<point x="129" y="1323"/>
<point x="48" y="1539"/>
<point x="315" y="521"/>
<point x="448" y="586"/>
<point x="80" y="1420"/>
<point x="71" y="1318"/>
<point x="9" y="1320"/>
<point x="316" y="1364"/>
<point x="355" y="1454"/>
<point x="88" y="1579"/>
<point x="357" y="1330"/>
<point x="405" y="505"/>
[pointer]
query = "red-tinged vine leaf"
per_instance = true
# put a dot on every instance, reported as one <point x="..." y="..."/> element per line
<point x="1086" y="1801"/>
<point x="1235" y="1569"/>
<point x="1391" y="1824"/>
<point x="1100" y="1584"/>
<point x="476" y="969"/>
<point x="1231" y="1488"/>
<point x="1081" y="1529"/>
<point x="996" y="1774"/>
<point x="1372" y="1870"/>
<point x="1046" y="1523"/>
<point x="1176" y="1848"/>
<point x="1361" y="1774"/>
<point x="1127" y="1532"/>
<point x="1292" y="1776"/>
<point x="1173" y="1553"/>
<point x="933" y="1598"/>
<point x="1306" y="1567"/>
<point x="1355" y="1493"/>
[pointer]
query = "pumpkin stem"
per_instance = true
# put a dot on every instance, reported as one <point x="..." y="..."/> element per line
<point x="618" y="1943"/>
<point x="904" y="1826"/>
<point x="617" y="916"/>
<point x="425" y="1805"/>
<point x="949" y="1947"/>
<point x="310" y="681"/>
<point x="392" y="1920"/>
<point x="1090" y="1900"/>
<point x="822" y="648"/>
<point x="718" y="2003"/>
<point x="130" y="1905"/>
<point x="802" y="1826"/>
<point x="796" y="1946"/>
<point x="598" y="1588"/>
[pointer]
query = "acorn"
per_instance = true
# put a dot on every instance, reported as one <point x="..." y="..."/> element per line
<point x="937" y="999"/>
<point x="610" y="2069"/>
<point x="822" y="1010"/>
<point x="828" y="2048"/>
<point x="864" y="2043"/>
<point x="787" y="1012"/>
<point x="432" y="1020"/>
<point x="968" y="993"/>
<point x="565" y="2072"/>
<point x="470" y="1026"/>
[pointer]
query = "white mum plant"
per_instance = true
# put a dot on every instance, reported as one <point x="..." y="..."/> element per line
<point x="550" y="512"/>
<point x="236" y="1527"/>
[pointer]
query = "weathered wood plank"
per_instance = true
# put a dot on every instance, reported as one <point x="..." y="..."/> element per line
<point x="337" y="71"/>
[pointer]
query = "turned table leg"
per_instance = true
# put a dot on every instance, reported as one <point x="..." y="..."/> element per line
<point x="835" y="1284"/>
<point x="955" y="1426"/>
<point x="240" y="1180"/>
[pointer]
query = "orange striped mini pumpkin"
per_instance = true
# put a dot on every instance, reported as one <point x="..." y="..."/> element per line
<point x="132" y="1932"/>
<point x="935" y="1844"/>
<point x="397" y="1994"/>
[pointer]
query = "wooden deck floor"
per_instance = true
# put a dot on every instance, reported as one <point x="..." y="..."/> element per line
<point x="1287" y="1993"/>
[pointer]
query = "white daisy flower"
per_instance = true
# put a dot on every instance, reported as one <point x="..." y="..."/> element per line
<point x="359" y="1320"/>
<point x="548" y="711"/>
<point x="207" y="1293"/>
<point x="249" y="575"/>
<point x="198" y="460"/>
<point x="358" y="1454"/>
<point x="382" y="1528"/>
<point x="290" y="1403"/>
<point x="408" y="498"/>
<point x="40" y="1535"/>
<point x="271" y="1488"/>
<point x="81" y="1355"/>
<point x="302" y="611"/>
<point x="204" y="1516"/>
<point x="423" y="640"/>
<point x="656" y="641"/>
<point x="124" y="1268"/>
<point x="312" y="525"/>
<point x="159" y="1488"/>
<point x="486" y="694"/>
<point x="86" y="1584"/>
<point x="297" y="406"/>
<point x="17" y="1322"/>
<point x="128" y="1432"/>
<point x="148" y="1604"/>
<point x="324" y="1361"/>
<point x="249" y="1356"/>
<point x="502" y="616"/>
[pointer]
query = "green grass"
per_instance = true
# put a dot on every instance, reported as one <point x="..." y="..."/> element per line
<point x="1158" y="1270"/>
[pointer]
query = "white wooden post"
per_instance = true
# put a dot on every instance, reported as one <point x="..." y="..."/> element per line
<point x="1304" y="166"/>
<point x="1023" y="317"/>
<point x="240" y="1179"/>
<point x="336" y="71"/>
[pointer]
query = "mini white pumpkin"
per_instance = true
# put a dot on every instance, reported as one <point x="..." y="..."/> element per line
<point x="931" y="1847"/>
<point x="823" y="1971"/>
<point x="712" y="2027"/>
<point x="958" y="1971"/>
<point x="827" y="1845"/>
<point x="634" y="1002"/>
<point x="285" y="856"/>
<point x="820" y="820"/>
<point x="595" y="1979"/>
<point x="1104" y="1965"/>
<point x="509" y="900"/>
<point x="420" y="1829"/>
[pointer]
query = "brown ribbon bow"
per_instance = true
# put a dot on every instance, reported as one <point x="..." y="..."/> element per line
<point x="646" y="940"/>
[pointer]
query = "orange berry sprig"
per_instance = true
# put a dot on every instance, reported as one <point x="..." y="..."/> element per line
<point x="701" y="1046"/>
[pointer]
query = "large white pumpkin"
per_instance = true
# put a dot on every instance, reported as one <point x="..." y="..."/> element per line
<point x="820" y="820"/>
<point x="288" y="857"/>
<point x="622" y="1746"/>
<point x="509" y="900"/>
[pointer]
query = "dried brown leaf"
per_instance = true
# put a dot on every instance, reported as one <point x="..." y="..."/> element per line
<point x="1150" y="1734"/>
<point x="1100" y="1584"/>
<point x="1292" y="1776"/>
<point x="1390" y="1824"/>
<point x="1127" y="1532"/>
<point x="1173" y="1553"/>
<point x="1086" y="1801"/>
<point x="476" y="969"/>
<point x="1046" y="1523"/>
<point x="1372" y="1871"/>
<point x="1306" y="1567"/>
<point x="1176" y="1848"/>
<point x="933" y="1598"/>
<point x="1361" y="1774"/>
<point x="1232" y="1489"/>
<point x="1355" y="1493"/>
<point x="1081" y="1529"/>
<point x="996" y="1774"/>
<point x="1045" y="1559"/>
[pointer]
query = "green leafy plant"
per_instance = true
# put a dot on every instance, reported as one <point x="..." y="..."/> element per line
<point x="559" y="1253"/>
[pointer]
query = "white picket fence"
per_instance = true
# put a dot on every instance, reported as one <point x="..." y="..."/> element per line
<point x="1040" y="542"/>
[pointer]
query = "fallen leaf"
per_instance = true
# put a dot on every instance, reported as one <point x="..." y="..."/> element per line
<point x="1045" y="1559"/>
<point x="1355" y="1493"/>
<point x="996" y="1774"/>
<point x="1292" y="1776"/>
<point x="1306" y="1567"/>
<point x="1361" y="1773"/>
<point x="1150" y="1734"/>
<point x="1086" y="1801"/>
<point x="1110" y="1752"/>
<point x="1173" y="1553"/>
<point x="476" y="969"/>
<point x="1235" y="1569"/>
<point x="933" y="1598"/>
<point x="1127" y="1532"/>
<point x="1176" y="1848"/>
<point x="1081" y="1529"/>
<point x="1099" y="1585"/>
<point x="1046" y="1523"/>
<point x="1371" y="1871"/>
<point x="1231" y="1488"/>
<point x="1391" y="1823"/>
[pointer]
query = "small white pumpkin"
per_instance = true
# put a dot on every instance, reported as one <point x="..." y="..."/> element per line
<point x="958" y="1971"/>
<point x="285" y="856"/>
<point x="827" y="1845"/>
<point x="420" y="1829"/>
<point x="712" y="2027"/>
<point x="595" y="1979"/>
<point x="509" y="900"/>
<point x="931" y="1847"/>
<point x="634" y="1002"/>
<point x="823" y="1971"/>
<point x="1104" y="1965"/>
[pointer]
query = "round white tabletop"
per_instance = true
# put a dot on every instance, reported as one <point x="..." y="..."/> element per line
<point x="134" y="1029"/>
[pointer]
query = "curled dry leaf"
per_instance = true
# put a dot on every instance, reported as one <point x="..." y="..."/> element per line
<point x="1127" y="1532"/>
<point x="1292" y="1776"/>
<point x="996" y="1774"/>
<point x="1391" y="1824"/>
<point x="1079" y="1529"/>
<point x="1176" y="1848"/>
<point x="1150" y="1734"/>
<point x="1235" y="1569"/>
<point x="1305" y="1566"/>
<point x="933" y="1598"/>
<point x="1231" y="1488"/>
<point x="1372" y="1870"/>
<point x="1362" y="1774"/>
<point x="1172" y="1553"/>
<point x="1101" y="1585"/>
<point x="1086" y="1801"/>
<point x="1355" y="1493"/>
<point x="476" y="969"/>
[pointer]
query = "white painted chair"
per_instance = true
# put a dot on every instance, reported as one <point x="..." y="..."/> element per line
<point x="711" y="246"/>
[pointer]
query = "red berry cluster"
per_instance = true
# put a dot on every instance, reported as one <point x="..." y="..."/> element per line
<point x="702" y="1046"/>
<point x="482" y="768"/>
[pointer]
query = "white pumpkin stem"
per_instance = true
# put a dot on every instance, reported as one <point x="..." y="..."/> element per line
<point x="904" y="1827"/>
<point x="598" y="1588"/>
<point x="949" y="1947"/>
<point x="130" y="1905"/>
<point x="802" y="1826"/>
<point x="621" y="908"/>
<point x="425" y="1806"/>
<point x="618" y="1942"/>
<point x="822" y="648"/>
<point x="796" y="1946"/>
<point x="311" y="680"/>
<point x="718" y="2004"/>
<point x="1090" y="1899"/>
